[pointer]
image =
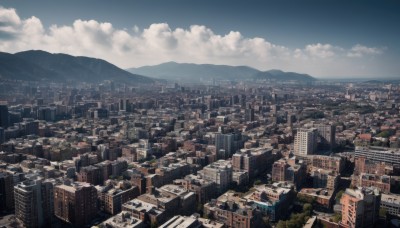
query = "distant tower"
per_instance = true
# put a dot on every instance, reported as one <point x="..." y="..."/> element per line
<point x="249" y="114"/>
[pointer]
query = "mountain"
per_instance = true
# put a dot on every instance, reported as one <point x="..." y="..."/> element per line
<point x="188" y="71"/>
<point x="41" y="65"/>
<point x="283" y="76"/>
<point x="13" y="67"/>
<point x="195" y="72"/>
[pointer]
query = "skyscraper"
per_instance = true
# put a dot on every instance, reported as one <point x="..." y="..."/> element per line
<point x="75" y="203"/>
<point x="34" y="202"/>
<point x="249" y="114"/>
<point x="224" y="145"/>
<point x="305" y="142"/>
<point x="4" y="117"/>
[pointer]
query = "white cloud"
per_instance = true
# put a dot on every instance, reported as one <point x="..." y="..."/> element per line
<point x="160" y="43"/>
<point x="359" y="50"/>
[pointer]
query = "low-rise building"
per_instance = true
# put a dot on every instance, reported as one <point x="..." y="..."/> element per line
<point x="122" y="220"/>
<point x="272" y="200"/>
<point x="112" y="197"/>
<point x="190" y="222"/>
<point x="391" y="203"/>
<point x="324" y="198"/>
<point x="233" y="211"/>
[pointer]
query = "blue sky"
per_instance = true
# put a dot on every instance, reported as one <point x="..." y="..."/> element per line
<point x="322" y="38"/>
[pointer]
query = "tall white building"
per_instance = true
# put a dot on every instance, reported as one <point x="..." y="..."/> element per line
<point x="305" y="142"/>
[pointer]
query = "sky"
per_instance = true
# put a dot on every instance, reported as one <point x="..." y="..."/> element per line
<point x="323" y="38"/>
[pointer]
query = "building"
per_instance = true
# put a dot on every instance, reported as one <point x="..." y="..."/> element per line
<point x="122" y="220"/>
<point x="323" y="198"/>
<point x="90" y="174"/>
<point x="187" y="199"/>
<point x="305" y="141"/>
<point x="249" y="114"/>
<point x="204" y="189"/>
<point x="233" y="211"/>
<point x="34" y="205"/>
<point x="227" y="144"/>
<point x="190" y="222"/>
<point x="224" y="145"/>
<point x="293" y="173"/>
<point x="6" y="191"/>
<point x="330" y="163"/>
<point x="326" y="136"/>
<point x="325" y="179"/>
<point x="75" y="203"/>
<point x="379" y="154"/>
<point x="146" y="212"/>
<point x="363" y="165"/>
<point x="360" y="207"/>
<point x="4" y="116"/>
<point x="2" y="135"/>
<point x="391" y="203"/>
<point x="254" y="161"/>
<point x="371" y="180"/>
<point x="112" y="197"/>
<point x="219" y="172"/>
<point x="272" y="200"/>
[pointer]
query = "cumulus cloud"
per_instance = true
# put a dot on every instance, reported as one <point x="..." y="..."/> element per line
<point x="160" y="43"/>
<point x="359" y="50"/>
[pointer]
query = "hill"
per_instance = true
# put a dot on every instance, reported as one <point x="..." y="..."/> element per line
<point x="197" y="72"/>
<point x="188" y="71"/>
<point x="41" y="65"/>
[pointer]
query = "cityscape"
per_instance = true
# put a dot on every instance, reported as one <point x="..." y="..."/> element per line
<point x="169" y="125"/>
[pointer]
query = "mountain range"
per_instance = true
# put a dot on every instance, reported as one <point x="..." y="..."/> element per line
<point x="197" y="72"/>
<point x="41" y="65"/>
<point x="38" y="65"/>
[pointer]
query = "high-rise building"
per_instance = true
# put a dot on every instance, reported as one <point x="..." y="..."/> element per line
<point x="6" y="191"/>
<point x="249" y="114"/>
<point x="224" y="145"/>
<point x="305" y="142"/>
<point x="75" y="203"/>
<point x="360" y="207"/>
<point x="2" y="135"/>
<point x="227" y="144"/>
<point x="326" y="136"/>
<point x="34" y="205"/>
<point x="4" y="116"/>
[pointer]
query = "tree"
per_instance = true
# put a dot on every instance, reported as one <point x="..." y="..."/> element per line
<point x="257" y="182"/>
<point x="307" y="208"/>
<point x="339" y="195"/>
<point x="337" y="217"/>
<point x="281" y="224"/>
<point x="382" y="212"/>
<point x="154" y="224"/>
